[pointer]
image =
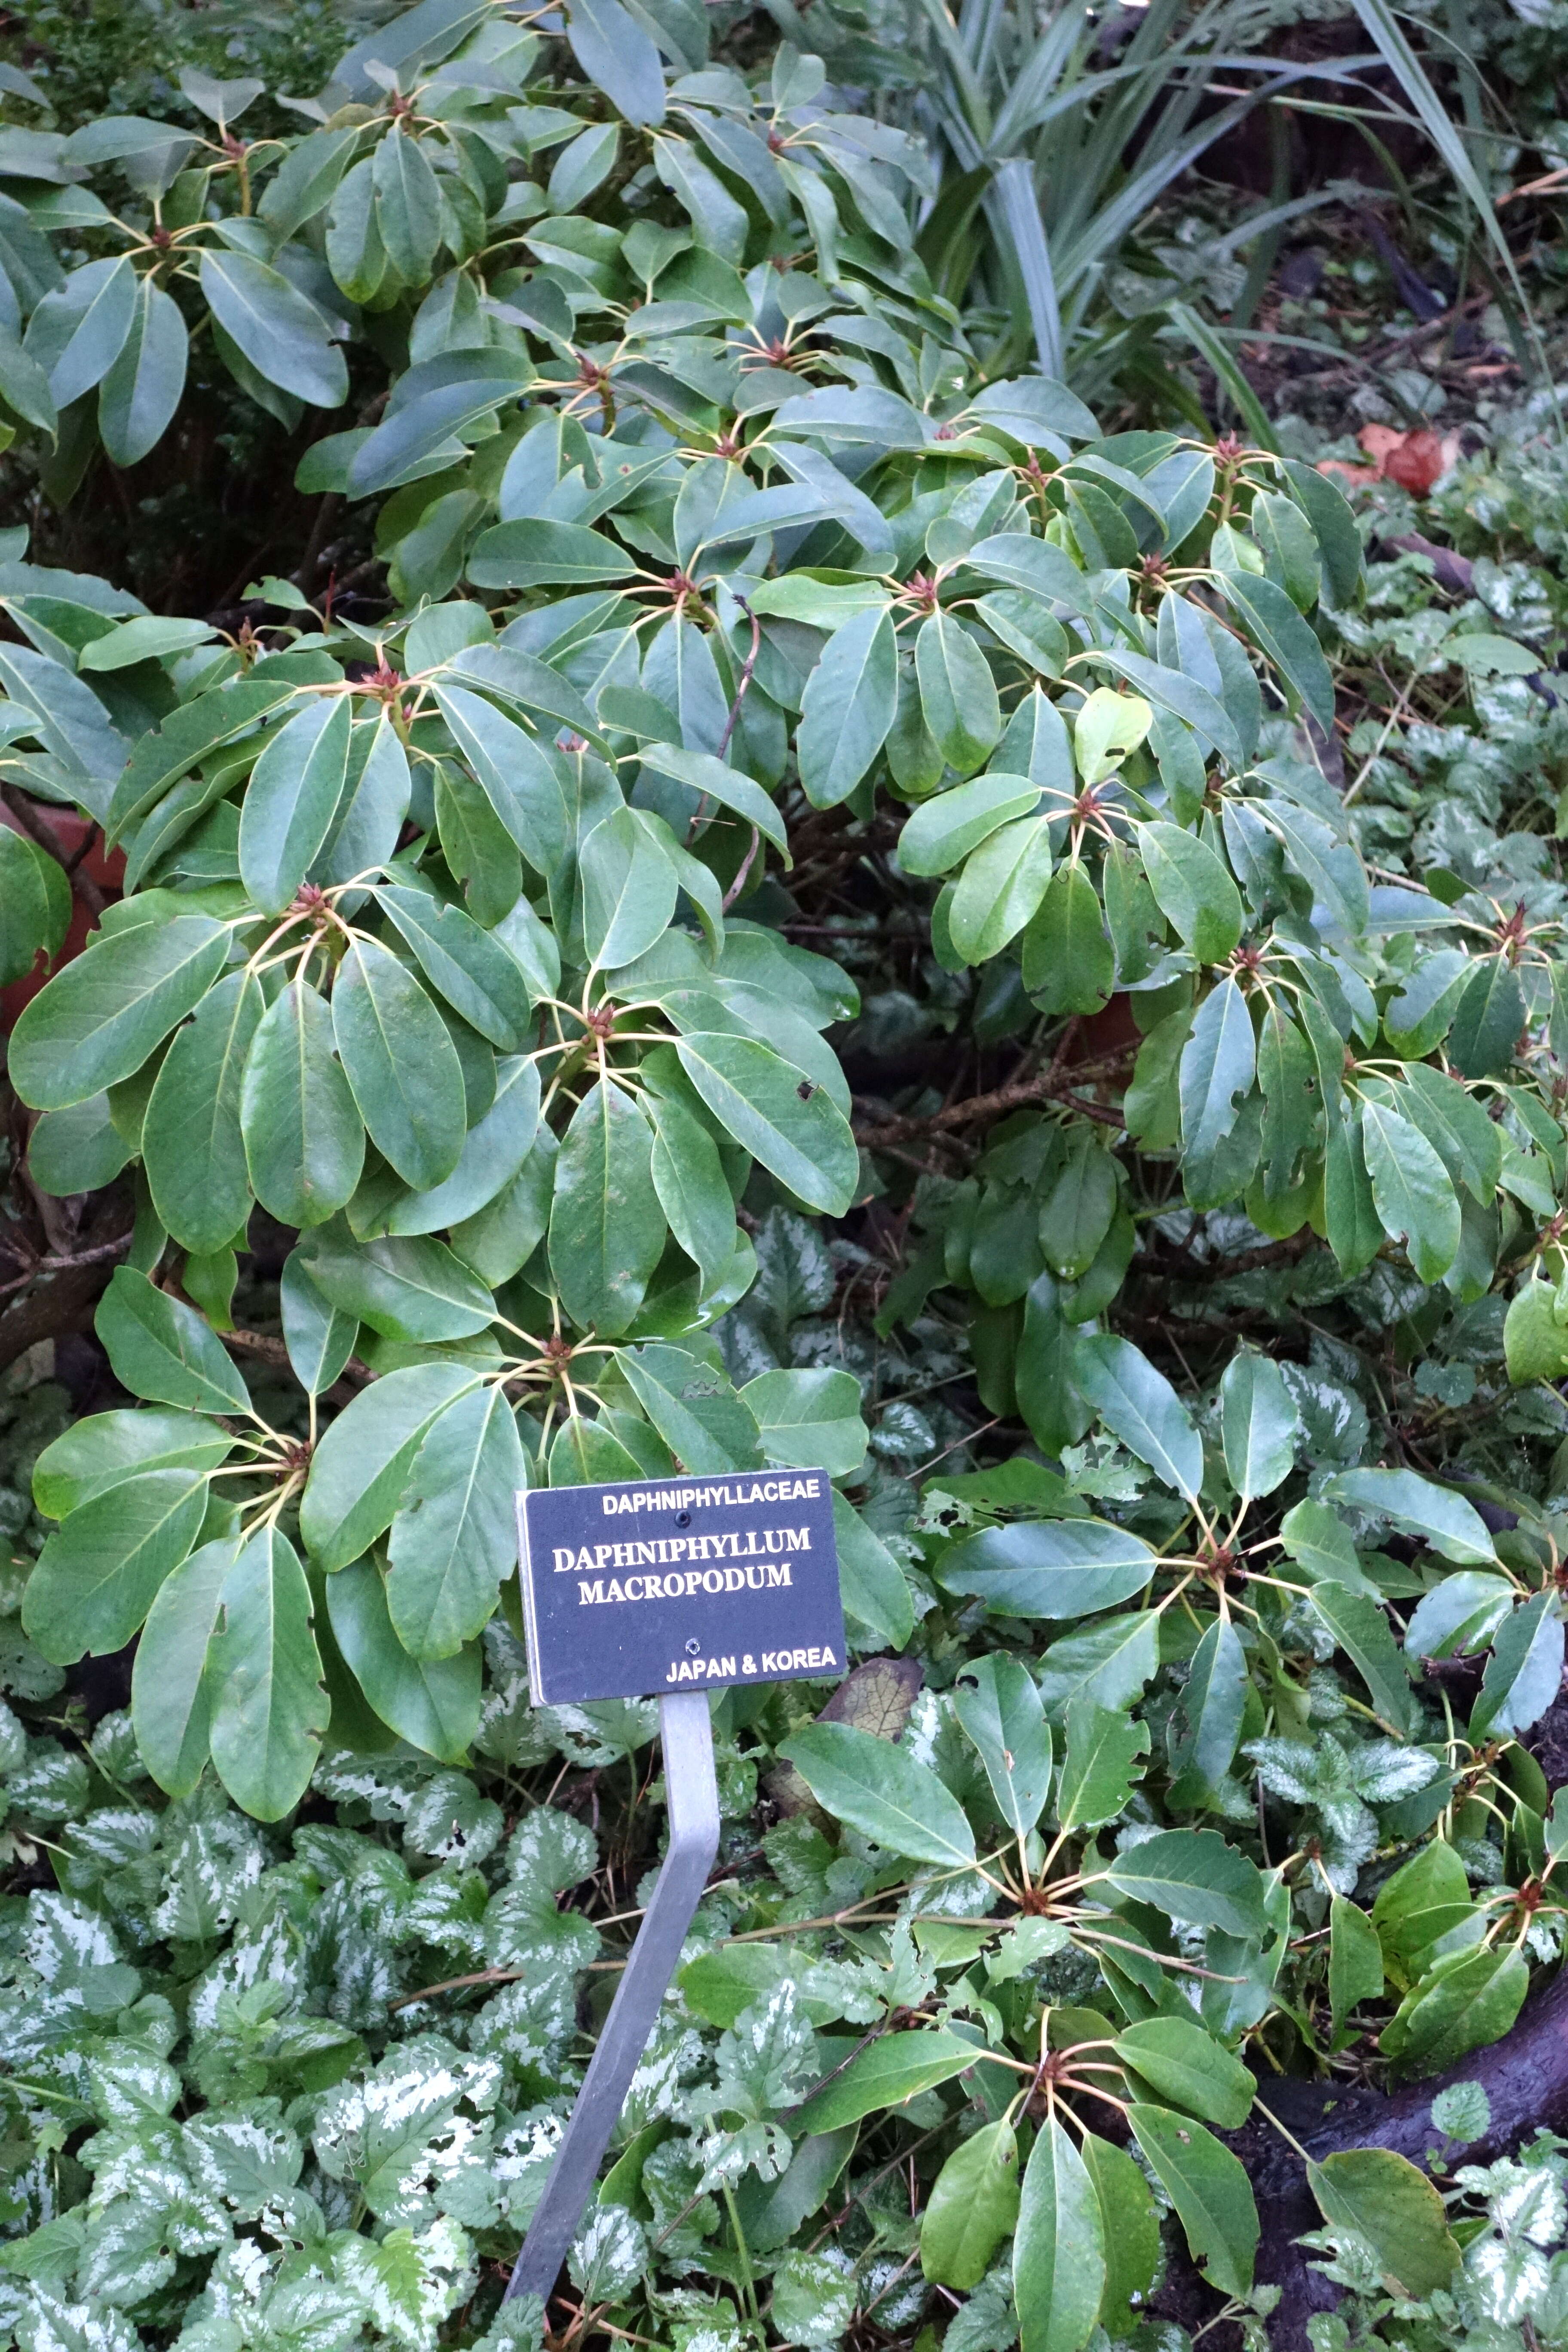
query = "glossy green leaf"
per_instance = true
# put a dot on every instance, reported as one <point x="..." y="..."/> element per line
<point x="1192" y="889"/>
<point x="1210" y="2191"/>
<point x="999" y="1708"/>
<point x="319" y="1337"/>
<point x="269" y="1709"/>
<point x="782" y="1117"/>
<point x="434" y="1704"/>
<point x="1142" y="1409"/>
<point x="942" y="831"/>
<point x="1058" y="2251"/>
<point x="606" y="1227"/>
<point x="889" y="2071"/>
<point x="809" y="1419"/>
<point x="1100" y="1766"/>
<point x="1194" y="1875"/>
<point x="304" y="1139"/>
<point x="98" y="1573"/>
<point x="973" y="2205"/>
<point x="291" y="799"/>
<point x="411" y="1288"/>
<point x="454" y="1541"/>
<point x="849" y="707"/>
<point x="1418" y="1507"/>
<point x="1049" y="1567"/>
<point x="873" y="1786"/>
<point x="106" y="1448"/>
<point x="193" y="1148"/>
<point x="400" y="1064"/>
<point x="170" y="1702"/>
<point x="1378" y="2196"/>
<point x="1259" y="1425"/>
<point x="163" y="1351"/>
<point x="280" y="332"/>
<point x="1207" y="1723"/>
<point x="1410" y="1185"/>
<point x="362" y="1464"/>
<point x="958" y="694"/>
<point x="1185" y="2065"/>
<point x="101" y="1017"/>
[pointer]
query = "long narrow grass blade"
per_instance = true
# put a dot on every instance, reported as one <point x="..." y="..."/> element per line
<point x="1201" y="337"/>
<point x="1407" y="71"/>
<point x="1019" y="209"/>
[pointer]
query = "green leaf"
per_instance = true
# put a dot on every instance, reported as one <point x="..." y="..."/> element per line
<point x="169" y="1695"/>
<point x="1069" y="964"/>
<point x="163" y="1351"/>
<point x="471" y="968"/>
<point x="1193" y="1874"/>
<point x="291" y="799"/>
<point x="264" y="1673"/>
<point x="100" y="1019"/>
<point x="29" y="878"/>
<point x="401" y="1064"/>
<point x="688" y="1177"/>
<point x="782" y="1117"/>
<point x="944" y="829"/>
<point x="1414" y="1199"/>
<point x="494" y="1150"/>
<point x="1292" y="1103"/>
<point x="283" y="335"/>
<point x="1523" y="1673"/>
<point x="192" y="1146"/>
<point x="723" y="783"/>
<point x="319" y="1337"/>
<point x="1100" y="1768"/>
<point x="1193" y="890"/>
<point x="1259" y="1425"/>
<point x="433" y="1703"/>
<point x="846" y="714"/>
<point x="1355" y="1959"/>
<point x="414" y="1288"/>
<point x="1360" y="1629"/>
<point x="875" y="1590"/>
<point x="693" y="1408"/>
<point x="894" y="2068"/>
<point x="973" y="2205"/>
<point x="541" y="553"/>
<point x="809" y="1420"/>
<point x="1210" y="2191"/>
<point x="1131" y="2228"/>
<point x="1078" y="1212"/>
<point x="98" y="1573"/>
<point x="1049" y="1567"/>
<point x="1139" y="1404"/>
<point x="453" y="1541"/>
<point x="1425" y="1901"/>
<point x="304" y="1139"/>
<point x="76" y="1150"/>
<point x="618" y="57"/>
<point x="1217" y="1067"/>
<point x="628" y="889"/>
<point x="1418" y="1507"/>
<point x="188" y="734"/>
<point x="1378" y="2196"/>
<point x="1488" y="1020"/>
<point x="875" y="1788"/>
<point x="77" y="330"/>
<point x="140" y="391"/>
<point x="958" y="693"/>
<point x="106" y="1448"/>
<point x="999" y="1708"/>
<point x="1471" y="1999"/>
<point x="361" y="1465"/>
<point x="1289" y="643"/>
<point x="1182" y="2064"/>
<point x="1455" y="1125"/>
<point x="1058" y="2251"/>
<point x="606" y="1227"/>
<point x="1209" y="1718"/>
<point x="1000" y="889"/>
<point x="407" y="206"/>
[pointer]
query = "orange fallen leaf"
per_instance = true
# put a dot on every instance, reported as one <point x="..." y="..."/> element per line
<point x="1413" y="460"/>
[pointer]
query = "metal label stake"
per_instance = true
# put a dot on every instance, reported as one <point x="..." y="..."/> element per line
<point x="634" y="1588"/>
<point x="692" y="1795"/>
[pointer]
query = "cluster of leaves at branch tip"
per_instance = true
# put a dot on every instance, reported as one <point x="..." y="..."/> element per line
<point x="459" y="945"/>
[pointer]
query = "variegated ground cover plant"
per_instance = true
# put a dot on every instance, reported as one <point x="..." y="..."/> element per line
<point x="466" y="951"/>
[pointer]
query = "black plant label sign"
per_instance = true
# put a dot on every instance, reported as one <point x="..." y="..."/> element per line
<point x="664" y="1583"/>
